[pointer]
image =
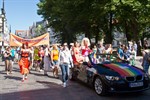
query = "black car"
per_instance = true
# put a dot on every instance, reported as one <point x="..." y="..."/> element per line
<point x="106" y="74"/>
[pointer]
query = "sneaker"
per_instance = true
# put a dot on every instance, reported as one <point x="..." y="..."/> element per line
<point x="40" y="70"/>
<point x="56" y="76"/>
<point x="22" y="80"/>
<point x="64" y="84"/>
<point x="26" y="78"/>
<point x="7" y="73"/>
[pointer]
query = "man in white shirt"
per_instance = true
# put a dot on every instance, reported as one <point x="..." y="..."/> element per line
<point x="65" y="60"/>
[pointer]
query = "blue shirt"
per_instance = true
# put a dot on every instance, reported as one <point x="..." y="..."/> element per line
<point x="120" y="52"/>
<point x="13" y="52"/>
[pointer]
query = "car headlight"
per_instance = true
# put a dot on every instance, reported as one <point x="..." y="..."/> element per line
<point x="112" y="78"/>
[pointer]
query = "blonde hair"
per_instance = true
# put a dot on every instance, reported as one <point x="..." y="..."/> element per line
<point x="54" y="46"/>
<point x="85" y="39"/>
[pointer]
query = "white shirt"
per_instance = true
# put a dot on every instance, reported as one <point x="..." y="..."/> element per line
<point x="65" y="57"/>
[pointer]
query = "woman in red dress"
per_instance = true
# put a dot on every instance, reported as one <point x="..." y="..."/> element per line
<point x="77" y="57"/>
<point x="24" y="61"/>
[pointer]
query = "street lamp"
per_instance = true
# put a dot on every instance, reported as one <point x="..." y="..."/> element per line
<point x="3" y="27"/>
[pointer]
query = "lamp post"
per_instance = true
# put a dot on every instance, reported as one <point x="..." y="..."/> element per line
<point x="3" y="27"/>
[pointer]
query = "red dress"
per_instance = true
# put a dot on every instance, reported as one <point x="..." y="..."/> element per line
<point x="85" y="52"/>
<point x="24" y="63"/>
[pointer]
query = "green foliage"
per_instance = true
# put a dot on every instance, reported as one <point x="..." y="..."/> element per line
<point x="40" y="30"/>
<point x="95" y="17"/>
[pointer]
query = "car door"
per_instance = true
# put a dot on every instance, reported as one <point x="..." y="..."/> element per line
<point x="82" y="75"/>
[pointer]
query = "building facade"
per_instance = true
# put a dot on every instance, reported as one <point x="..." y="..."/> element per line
<point x="4" y="36"/>
<point x="40" y="28"/>
<point x="23" y="34"/>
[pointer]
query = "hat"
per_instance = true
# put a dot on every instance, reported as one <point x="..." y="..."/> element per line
<point x="65" y="43"/>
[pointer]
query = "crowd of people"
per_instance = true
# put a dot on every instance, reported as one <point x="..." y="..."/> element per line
<point x="52" y="58"/>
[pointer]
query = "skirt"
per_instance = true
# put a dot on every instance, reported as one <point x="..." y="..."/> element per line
<point x="24" y="65"/>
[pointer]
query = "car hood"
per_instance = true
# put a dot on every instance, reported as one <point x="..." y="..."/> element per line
<point x="124" y="70"/>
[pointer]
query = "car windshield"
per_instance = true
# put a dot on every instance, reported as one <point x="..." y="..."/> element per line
<point x="102" y="58"/>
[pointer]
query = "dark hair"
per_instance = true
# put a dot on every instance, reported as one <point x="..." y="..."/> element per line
<point x="75" y="42"/>
<point x="24" y="45"/>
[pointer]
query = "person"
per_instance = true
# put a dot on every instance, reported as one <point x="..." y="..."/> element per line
<point x="145" y="46"/>
<point x="100" y="48"/>
<point x="71" y="48"/>
<point x="31" y="57"/>
<point x="41" y="55"/>
<point x="120" y="52"/>
<point x="132" y="56"/>
<point x="109" y="49"/>
<point x="24" y="61"/>
<point x="135" y="48"/>
<point x="126" y="55"/>
<point x="7" y="56"/>
<point x="85" y="49"/>
<point x="65" y="59"/>
<point x="36" y="59"/>
<point x="18" y="54"/>
<point x="47" y="60"/>
<point x="13" y="53"/>
<point x="146" y="62"/>
<point x="94" y="50"/>
<point x="76" y="55"/>
<point x="54" y="57"/>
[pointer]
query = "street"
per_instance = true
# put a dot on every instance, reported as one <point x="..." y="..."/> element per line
<point x="40" y="87"/>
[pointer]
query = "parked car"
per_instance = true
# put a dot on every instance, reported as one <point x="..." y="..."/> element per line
<point x="108" y="74"/>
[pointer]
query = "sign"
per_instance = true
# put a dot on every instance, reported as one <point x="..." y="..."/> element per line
<point x="136" y="84"/>
<point x="41" y="40"/>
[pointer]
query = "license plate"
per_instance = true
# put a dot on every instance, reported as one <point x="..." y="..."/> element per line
<point x="136" y="84"/>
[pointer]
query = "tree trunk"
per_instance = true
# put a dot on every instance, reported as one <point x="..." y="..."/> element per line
<point x="97" y="36"/>
<point x="134" y="27"/>
<point x="128" y="35"/>
<point x="108" y="35"/>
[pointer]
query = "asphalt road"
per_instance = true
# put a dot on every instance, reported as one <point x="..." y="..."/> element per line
<point x="40" y="87"/>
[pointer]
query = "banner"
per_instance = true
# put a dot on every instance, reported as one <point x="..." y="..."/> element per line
<point x="41" y="40"/>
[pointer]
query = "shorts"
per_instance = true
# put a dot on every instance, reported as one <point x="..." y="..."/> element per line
<point x="55" y="62"/>
<point x="12" y="58"/>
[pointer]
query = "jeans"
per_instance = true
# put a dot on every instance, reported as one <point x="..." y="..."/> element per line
<point x="146" y="67"/>
<point x="64" y="70"/>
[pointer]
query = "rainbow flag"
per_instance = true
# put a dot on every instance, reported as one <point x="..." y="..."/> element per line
<point x="124" y="69"/>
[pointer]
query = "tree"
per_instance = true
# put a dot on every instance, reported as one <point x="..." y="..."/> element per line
<point x="133" y="16"/>
<point x="40" y="30"/>
<point x="75" y="16"/>
<point x="96" y="17"/>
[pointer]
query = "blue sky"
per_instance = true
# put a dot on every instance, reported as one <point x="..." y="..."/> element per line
<point x="21" y="14"/>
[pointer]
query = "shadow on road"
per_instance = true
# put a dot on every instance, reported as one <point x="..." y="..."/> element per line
<point x="74" y="92"/>
<point x="49" y="84"/>
<point x="13" y="77"/>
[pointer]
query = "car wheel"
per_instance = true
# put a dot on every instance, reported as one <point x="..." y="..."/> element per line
<point x="99" y="86"/>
